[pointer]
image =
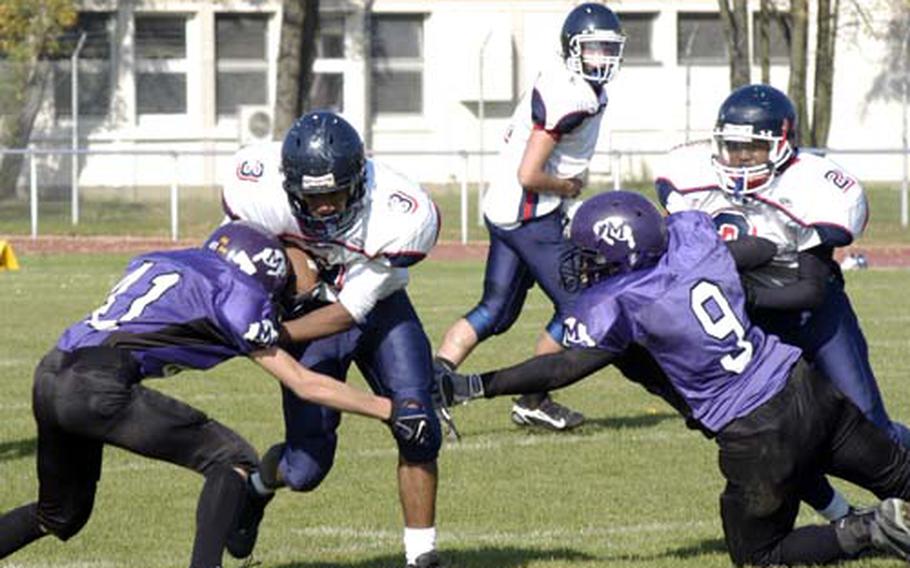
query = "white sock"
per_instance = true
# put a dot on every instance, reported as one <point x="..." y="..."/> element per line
<point x="417" y="542"/>
<point x="837" y="508"/>
<point x="259" y="486"/>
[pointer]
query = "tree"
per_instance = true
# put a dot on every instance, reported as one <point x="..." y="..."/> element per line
<point x="296" y="52"/>
<point x="28" y="33"/>
<point x="824" y="72"/>
<point x="799" y="41"/>
<point x="736" y="31"/>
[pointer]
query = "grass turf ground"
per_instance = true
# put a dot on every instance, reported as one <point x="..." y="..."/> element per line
<point x="631" y="488"/>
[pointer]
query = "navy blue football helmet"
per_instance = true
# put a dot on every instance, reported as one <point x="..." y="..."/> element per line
<point x="753" y="116"/>
<point x="592" y="42"/>
<point x="614" y="232"/>
<point x="251" y="249"/>
<point x="322" y="153"/>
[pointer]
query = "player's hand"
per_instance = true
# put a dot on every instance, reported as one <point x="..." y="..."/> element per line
<point x="574" y="188"/>
<point x="455" y="388"/>
<point x="410" y="422"/>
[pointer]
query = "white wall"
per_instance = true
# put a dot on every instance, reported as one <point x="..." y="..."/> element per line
<point x="647" y="108"/>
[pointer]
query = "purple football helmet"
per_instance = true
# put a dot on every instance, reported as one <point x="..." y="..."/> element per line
<point x="252" y="250"/>
<point x="614" y="232"/>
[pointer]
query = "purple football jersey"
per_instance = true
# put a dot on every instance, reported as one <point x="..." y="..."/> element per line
<point x="688" y="311"/>
<point x="178" y="310"/>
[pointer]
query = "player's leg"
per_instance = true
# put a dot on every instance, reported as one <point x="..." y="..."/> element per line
<point x="861" y="452"/>
<point x="765" y="457"/>
<point x="505" y="286"/>
<point x="68" y="470"/>
<point x="394" y="357"/>
<point x="105" y="402"/>
<point x="834" y="342"/>
<point x="541" y="246"/>
<point x="307" y="453"/>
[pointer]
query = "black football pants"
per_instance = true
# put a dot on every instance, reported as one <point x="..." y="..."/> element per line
<point x="92" y="397"/>
<point x="767" y="457"/>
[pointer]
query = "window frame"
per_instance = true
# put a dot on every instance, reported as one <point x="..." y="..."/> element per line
<point x="154" y="66"/>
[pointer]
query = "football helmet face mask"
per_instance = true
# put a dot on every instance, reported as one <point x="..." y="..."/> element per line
<point x="753" y="139"/>
<point x="592" y="42"/>
<point x="614" y="232"/>
<point x="252" y="250"/>
<point x="323" y="154"/>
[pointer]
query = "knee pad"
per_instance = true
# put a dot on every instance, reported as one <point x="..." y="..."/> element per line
<point x="304" y="466"/>
<point x="426" y="452"/>
<point x="68" y="520"/>
<point x="487" y="322"/>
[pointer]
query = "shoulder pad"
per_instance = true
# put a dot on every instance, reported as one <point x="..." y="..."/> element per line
<point x="403" y="222"/>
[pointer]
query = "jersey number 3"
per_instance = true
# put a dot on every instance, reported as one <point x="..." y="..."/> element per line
<point x="721" y="323"/>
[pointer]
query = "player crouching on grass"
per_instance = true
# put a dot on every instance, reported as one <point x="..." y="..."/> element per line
<point x="670" y="286"/>
<point x="173" y="310"/>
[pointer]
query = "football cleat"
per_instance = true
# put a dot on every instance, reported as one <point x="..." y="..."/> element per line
<point x="242" y="539"/>
<point x="427" y="560"/>
<point x="890" y="530"/>
<point x="548" y="414"/>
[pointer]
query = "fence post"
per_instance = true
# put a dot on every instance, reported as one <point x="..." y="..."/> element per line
<point x="33" y="189"/>
<point x="617" y="169"/>
<point x="175" y="200"/>
<point x="464" y="199"/>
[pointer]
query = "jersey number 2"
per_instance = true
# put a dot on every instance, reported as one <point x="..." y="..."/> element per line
<point x="720" y="327"/>
<point x="160" y="284"/>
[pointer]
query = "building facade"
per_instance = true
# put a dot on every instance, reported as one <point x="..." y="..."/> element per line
<point x="425" y="81"/>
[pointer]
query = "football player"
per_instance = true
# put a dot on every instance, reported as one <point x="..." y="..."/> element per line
<point x="188" y="309"/>
<point x="543" y="167"/>
<point x="754" y="180"/>
<point x="364" y="224"/>
<point x="670" y="287"/>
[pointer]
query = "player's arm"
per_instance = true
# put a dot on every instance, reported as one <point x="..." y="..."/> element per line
<point x="538" y="374"/>
<point x="532" y="174"/>
<point x="814" y="268"/>
<point x="750" y="252"/>
<point x="319" y="388"/>
<point x="321" y="322"/>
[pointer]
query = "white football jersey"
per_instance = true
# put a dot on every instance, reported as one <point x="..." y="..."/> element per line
<point x="811" y="192"/>
<point x="566" y="106"/>
<point x="397" y="226"/>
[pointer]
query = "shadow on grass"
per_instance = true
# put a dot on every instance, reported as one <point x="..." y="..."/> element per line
<point x="622" y="422"/>
<point x="705" y="547"/>
<point x="590" y="427"/>
<point x="16" y="449"/>
<point x="485" y="557"/>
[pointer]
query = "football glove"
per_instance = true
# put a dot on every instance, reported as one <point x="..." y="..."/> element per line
<point x="455" y="388"/>
<point x="410" y="422"/>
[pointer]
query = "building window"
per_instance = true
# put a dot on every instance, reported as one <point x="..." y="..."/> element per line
<point x="160" y="64"/>
<point x="330" y="43"/>
<point x="778" y="38"/>
<point x="396" y="48"/>
<point x="94" y="66"/>
<point x="327" y="92"/>
<point x="700" y="39"/>
<point x="639" y="30"/>
<point x="327" y="88"/>
<point x="241" y="61"/>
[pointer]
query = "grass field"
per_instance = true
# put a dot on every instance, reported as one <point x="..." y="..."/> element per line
<point x="631" y="488"/>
